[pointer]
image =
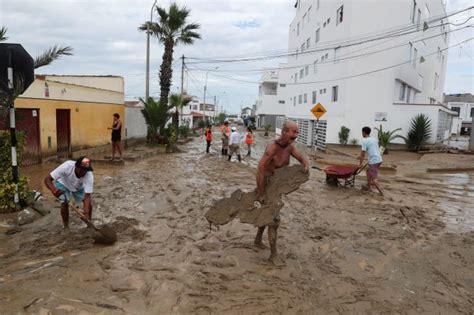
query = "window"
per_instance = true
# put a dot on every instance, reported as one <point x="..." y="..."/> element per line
<point x="324" y="24"/>
<point x="413" y="12"/>
<point x="298" y="29"/>
<point x="472" y="112"/>
<point x="321" y="91"/>
<point x="300" y="99"/>
<point x="314" y="97"/>
<point x="458" y="110"/>
<point x="315" y="70"/>
<point x="401" y="96"/>
<point x="282" y="85"/>
<point x="296" y="56"/>
<point x="317" y="35"/>
<point x="408" y="94"/>
<point x="309" y="14"/>
<point x="324" y="90"/>
<point x="301" y="73"/>
<point x="445" y="36"/>
<point x="415" y="54"/>
<point x="439" y="54"/>
<point x="305" y="98"/>
<point x="302" y="47"/>
<point x="418" y="19"/>
<point x="306" y="70"/>
<point x="281" y="102"/>
<point x="432" y="100"/>
<point x="326" y="56"/>
<point x="336" y="53"/>
<point x="296" y="76"/>
<point x="317" y="4"/>
<point x="442" y="59"/>
<point x="436" y="79"/>
<point x="327" y="22"/>
<point x="190" y="106"/>
<point x="307" y="43"/>
<point x="339" y="15"/>
<point x="294" y="101"/>
<point x="322" y="58"/>
<point x="410" y="46"/>
<point x="335" y="90"/>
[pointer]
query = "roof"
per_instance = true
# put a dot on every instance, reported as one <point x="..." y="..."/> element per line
<point x="133" y="104"/>
<point x="196" y="114"/>
<point x="461" y="97"/>
<point x="80" y="75"/>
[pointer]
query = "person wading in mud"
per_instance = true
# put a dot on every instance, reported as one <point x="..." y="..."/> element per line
<point x="209" y="137"/>
<point x="371" y="146"/>
<point x="72" y="179"/>
<point x="277" y="155"/>
<point x="234" y="144"/>
<point x="249" y="140"/>
<point x="225" y="133"/>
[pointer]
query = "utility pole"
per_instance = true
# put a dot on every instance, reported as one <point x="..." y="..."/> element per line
<point x="148" y="32"/>
<point x="215" y="104"/>
<point x="182" y="88"/>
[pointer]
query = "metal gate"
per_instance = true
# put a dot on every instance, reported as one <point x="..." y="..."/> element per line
<point x="63" y="132"/>
<point x="319" y="134"/>
<point x="27" y="121"/>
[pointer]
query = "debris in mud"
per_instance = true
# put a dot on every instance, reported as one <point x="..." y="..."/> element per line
<point x="127" y="227"/>
<point x="27" y="216"/>
<point x="284" y="181"/>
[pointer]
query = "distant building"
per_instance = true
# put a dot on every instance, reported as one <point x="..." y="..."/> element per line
<point x="369" y="63"/>
<point x="463" y="105"/>
<point x="269" y="106"/>
<point x="247" y="112"/>
<point x="65" y="113"/>
<point x="196" y="111"/>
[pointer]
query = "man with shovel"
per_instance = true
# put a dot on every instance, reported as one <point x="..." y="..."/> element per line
<point x="277" y="155"/>
<point x="72" y="179"/>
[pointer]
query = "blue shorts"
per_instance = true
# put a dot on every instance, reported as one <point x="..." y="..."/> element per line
<point x="78" y="195"/>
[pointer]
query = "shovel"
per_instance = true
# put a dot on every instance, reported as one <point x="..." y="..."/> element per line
<point x="103" y="235"/>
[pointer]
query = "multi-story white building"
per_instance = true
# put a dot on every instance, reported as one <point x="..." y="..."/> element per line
<point x="369" y="63"/>
<point x="269" y="106"/>
<point x="196" y="111"/>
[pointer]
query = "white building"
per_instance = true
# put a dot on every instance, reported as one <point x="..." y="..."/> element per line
<point x="350" y="56"/>
<point x="269" y="106"/>
<point x="463" y="105"/>
<point x="196" y="111"/>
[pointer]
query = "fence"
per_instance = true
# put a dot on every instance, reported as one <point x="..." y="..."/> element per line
<point x="312" y="133"/>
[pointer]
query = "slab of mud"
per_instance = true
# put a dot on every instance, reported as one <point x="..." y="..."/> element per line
<point x="241" y="204"/>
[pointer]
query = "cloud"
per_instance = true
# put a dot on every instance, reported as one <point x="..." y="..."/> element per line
<point x="247" y="24"/>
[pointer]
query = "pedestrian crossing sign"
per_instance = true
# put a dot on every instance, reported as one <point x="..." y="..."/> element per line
<point x="318" y="110"/>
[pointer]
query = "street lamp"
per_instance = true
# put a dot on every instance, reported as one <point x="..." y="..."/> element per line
<point x="147" y="79"/>
<point x="205" y="89"/>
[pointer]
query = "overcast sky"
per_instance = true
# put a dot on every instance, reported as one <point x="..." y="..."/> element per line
<point x="105" y="39"/>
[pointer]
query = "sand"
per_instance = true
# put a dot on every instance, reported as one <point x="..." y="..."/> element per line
<point x="346" y="251"/>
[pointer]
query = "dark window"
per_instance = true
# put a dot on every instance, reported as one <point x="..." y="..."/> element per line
<point x="472" y="112"/>
<point x="340" y="15"/>
<point x="335" y="90"/>
<point x="281" y="102"/>
<point x="458" y="110"/>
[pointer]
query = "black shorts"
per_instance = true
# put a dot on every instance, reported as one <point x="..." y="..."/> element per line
<point x="116" y="136"/>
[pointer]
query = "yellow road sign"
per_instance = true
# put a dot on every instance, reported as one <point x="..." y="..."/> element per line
<point x="318" y="110"/>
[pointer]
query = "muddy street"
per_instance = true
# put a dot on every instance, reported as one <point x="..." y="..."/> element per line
<point x="345" y="250"/>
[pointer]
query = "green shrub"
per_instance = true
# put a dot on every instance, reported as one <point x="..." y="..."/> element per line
<point x="344" y="135"/>
<point x="420" y="132"/>
<point x="201" y="124"/>
<point x="354" y="141"/>
<point x="385" y="137"/>
<point x="267" y="129"/>
<point x="184" y="131"/>
<point x="7" y="187"/>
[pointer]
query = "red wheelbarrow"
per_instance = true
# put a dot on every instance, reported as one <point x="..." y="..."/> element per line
<point x="345" y="173"/>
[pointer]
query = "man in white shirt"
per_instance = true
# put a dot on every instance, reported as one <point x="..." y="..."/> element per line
<point x="72" y="179"/>
<point x="371" y="146"/>
<point x="234" y="144"/>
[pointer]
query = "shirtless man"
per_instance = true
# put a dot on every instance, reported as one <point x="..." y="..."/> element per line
<point x="277" y="154"/>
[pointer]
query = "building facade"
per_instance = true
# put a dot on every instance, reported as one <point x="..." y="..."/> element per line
<point x="463" y="105"/>
<point x="365" y="66"/>
<point x="61" y="114"/>
<point x="269" y="107"/>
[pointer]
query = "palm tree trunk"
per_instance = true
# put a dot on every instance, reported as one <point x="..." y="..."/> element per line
<point x="166" y="72"/>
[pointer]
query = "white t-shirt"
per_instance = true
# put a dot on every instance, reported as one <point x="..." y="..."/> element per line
<point x="64" y="174"/>
<point x="371" y="146"/>
<point x="234" y="138"/>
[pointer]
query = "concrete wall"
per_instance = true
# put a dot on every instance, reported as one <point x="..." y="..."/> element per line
<point x="110" y="83"/>
<point x="135" y="124"/>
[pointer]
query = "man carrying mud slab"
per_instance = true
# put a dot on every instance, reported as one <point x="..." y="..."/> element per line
<point x="371" y="146"/>
<point x="277" y="155"/>
<point x="72" y="179"/>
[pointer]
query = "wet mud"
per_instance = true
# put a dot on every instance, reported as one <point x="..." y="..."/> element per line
<point x="240" y="204"/>
<point x="346" y="251"/>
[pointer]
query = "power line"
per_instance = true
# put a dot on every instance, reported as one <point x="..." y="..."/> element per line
<point x="335" y="60"/>
<point x="329" y="45"/>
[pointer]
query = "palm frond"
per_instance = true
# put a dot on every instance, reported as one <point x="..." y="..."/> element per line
<point x="52" y="54"/>
<point x="3" y="32"/>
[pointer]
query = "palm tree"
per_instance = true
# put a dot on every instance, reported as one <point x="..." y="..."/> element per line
<point x="420" y="132"/>
<point x="385" y="137"/>
<point x="156" y="115"/>
<point x="48" y="56"/>
<point x="171" y="30"/>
